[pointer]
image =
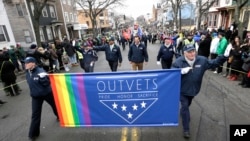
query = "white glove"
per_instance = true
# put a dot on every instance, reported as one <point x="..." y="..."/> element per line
<point x="42" y="74"/>
<point x="158" y="63"/>
<point x="185" y="70"/>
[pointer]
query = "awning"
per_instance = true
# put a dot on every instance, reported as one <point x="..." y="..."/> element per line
<point x="56" y="23"/>
<point x="80" y="26"/>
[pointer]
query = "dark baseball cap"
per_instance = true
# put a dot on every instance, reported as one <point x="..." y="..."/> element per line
<point x="29" y="60"/>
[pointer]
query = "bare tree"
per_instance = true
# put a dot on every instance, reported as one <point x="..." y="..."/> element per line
<point x="239" y="5"/>
<point x="95" y="7"/>
<point x="176" y="6"/>
<point x="35" y="16"/>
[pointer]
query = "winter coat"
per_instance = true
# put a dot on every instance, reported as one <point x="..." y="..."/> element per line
<point x="111" y="55"/>
<point x="191" y="82"/>
<point x="137" y="54"/>
<point x="38" y="86"/>
<point x="166" y="53"/>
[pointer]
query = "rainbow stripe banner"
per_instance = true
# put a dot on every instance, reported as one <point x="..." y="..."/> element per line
<point x="136" y="98"/>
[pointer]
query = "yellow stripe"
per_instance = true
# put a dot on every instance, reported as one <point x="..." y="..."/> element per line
<point x="124" y="135"/>
<point x="67" y="105"/>
<point x="135" y="134"/>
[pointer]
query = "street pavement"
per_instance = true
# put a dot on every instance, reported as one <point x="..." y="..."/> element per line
<point x="220" y="103"/>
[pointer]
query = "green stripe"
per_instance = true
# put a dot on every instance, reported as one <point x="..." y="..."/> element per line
<point x="72" y="99"/>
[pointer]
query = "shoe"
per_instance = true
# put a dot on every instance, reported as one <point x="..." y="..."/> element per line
<point x="2" y="102"/>
<point x="234" y="78"/>
<point x="215" y="72"/>
<point x="241" y="83"/>
<point x="186" y="134"/>
<point x="245" y="86"/>
<point x="225" y="75"/>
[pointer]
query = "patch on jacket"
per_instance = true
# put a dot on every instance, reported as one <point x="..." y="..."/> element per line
<point x="197" y="66"/>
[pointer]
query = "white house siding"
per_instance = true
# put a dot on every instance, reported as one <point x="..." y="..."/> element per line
<point x="5" y="22"/>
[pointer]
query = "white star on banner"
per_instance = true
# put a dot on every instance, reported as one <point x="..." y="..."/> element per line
<point x="135" y="107"/>
<point x="124" y="108"/>
<point x="143" y="104"/>
<point x="114" y="105"/>
<point x="129" y="115"/>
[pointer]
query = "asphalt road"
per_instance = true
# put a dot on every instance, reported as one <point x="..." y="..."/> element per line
<point x="219" y="104"/>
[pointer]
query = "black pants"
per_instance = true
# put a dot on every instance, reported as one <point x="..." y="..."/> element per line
<point x="113" y="65"/>
<point x="185" y="113"/>
<point x="37" y="104"/>
<point x="166" y="64"/>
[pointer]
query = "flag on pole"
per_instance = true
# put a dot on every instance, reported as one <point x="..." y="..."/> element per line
<point x="136" y="98"/>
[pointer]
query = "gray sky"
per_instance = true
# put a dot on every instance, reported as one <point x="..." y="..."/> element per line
<point x="136" y="8"/>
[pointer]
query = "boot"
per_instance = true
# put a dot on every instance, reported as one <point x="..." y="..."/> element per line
<point x="2" y="102"/>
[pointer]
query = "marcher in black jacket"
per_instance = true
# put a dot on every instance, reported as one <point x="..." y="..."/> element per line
<point x="113" y="54"/>
<point x="40" y="90"/>
<point x="166" y="54"/>
<point x="137" y="54"/>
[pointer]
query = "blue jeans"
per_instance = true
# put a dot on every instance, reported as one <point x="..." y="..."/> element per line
<point x="185" y="114"/>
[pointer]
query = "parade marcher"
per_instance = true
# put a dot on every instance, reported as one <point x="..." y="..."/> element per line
<point x="69" y="49"/>
<point x="137" y="54"/>
<point x="59" y="53"/>
<point x="89" y="57"/>
<point x="40" y="91"/>
<point x="193" y="68"/>
<point x="113" y="54"/>
<point x="166" y="54"/>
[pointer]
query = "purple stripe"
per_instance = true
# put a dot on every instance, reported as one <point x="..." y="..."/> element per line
<point x="84" y="101"/>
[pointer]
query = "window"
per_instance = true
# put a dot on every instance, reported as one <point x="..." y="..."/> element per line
<point x="4" y="37"/>
<point x="86" y="15"/>
<point x="71" y="17"/>
<point x="87" y="22"/>
<point x="44" y="12"/>
<point x="52" y="11"/>
<point x="42" y="35"/>
<point x="69" y="2"/>
<point x="101" y="14"/>
<point x="27" y="36"/>
<point x="101" y="22"/>
<point x="215" y="20"/>
<point x="75" y="16"/>
<point x="49" y="33"/>
<point x="19" y="9"/>
<point x="66" y="16"/>
<point x="32" y="7"/>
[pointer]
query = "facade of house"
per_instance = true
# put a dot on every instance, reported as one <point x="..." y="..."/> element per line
<point x="6" y="35"/>
<point x="20" y="22"/>
<point x="103" y="20"/>
<point x="67" y="15"/>
<point x="222" y="15"/>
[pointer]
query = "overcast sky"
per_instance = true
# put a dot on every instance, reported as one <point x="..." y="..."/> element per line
<point x="136" y="8"/>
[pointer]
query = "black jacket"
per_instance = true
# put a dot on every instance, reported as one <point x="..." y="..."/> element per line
<point x="137" y="54"/>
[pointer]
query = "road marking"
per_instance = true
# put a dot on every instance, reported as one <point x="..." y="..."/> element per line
<point x="124" y="135"/>
<point x="135" y="134"/>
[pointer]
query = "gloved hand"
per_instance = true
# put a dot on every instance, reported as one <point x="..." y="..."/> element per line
<point x="185" y="70"/>
<point x="42" y="74"/>
<point x="158" y="63"/>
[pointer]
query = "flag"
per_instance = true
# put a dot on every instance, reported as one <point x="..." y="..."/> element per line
<point x="136" y="98"/>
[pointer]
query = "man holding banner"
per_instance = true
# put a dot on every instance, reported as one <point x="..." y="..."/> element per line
<point x="193" y="68"/>
<point x="40" y="90"/>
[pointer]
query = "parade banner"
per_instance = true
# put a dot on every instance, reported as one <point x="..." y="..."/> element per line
<point x="136" y="98"/>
